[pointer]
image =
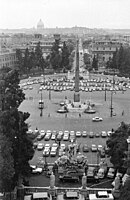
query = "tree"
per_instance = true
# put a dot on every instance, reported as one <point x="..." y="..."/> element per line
<point x="32" y="60"/>
<point x="120" y="58"/>
<point x="95" y="63"/>
<point x="117" y="144"/>
<point x="65" y="57"/>
<point x="16" y="148"/>
<point x="26" y="61"/>
<point x="13" y="95"/>
<point x="7" y="165"/>
<point x="125" y="191"/>
<point x="19" y="60"/>
<point x="55" y="56"/>
<point x="39" y="57"/>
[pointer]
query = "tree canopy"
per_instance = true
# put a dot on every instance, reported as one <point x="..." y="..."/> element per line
<point x="121" y="61"/>
<point x="117" y="144"/>
<point x="16" y="147"/>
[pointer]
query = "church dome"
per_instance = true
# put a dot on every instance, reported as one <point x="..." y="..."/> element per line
<point x="40" y="25"/>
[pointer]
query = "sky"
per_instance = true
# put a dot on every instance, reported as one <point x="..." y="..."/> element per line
<point x="65" y="13"/>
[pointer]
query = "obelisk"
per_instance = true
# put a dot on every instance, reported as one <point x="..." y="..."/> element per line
<point x="76" y="94"/>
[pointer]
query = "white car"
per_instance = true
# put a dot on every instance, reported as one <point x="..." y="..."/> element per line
<point x="102" y="195"/>
<point x="53" y="137"/>
<point x="66" y="137"/>
<point x="97" y="119"/>
<point x="38" y="170"/>
<point x="40" y="146"/>
<point x="93" y="148"/>
<point x="104" y="134"/>
<point x="78" y="134"/>
<point x="100" y="147"/>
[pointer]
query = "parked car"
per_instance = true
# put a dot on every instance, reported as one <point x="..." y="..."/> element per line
<point x="84" y="134"/>
<point x="85" y="148"/>
<point x="40" y="146"/>
<point x="91" y="134"/>
<point x="91" y="175"/>
<point x="47" y="136"/>
<point x="111" y="173"/>
<point x="42" y="133"/>
<point x="97" y="119"/>
<point x="53" y="152"/>
<point x="35" y="145"/>
<point x="39" y="137"/>
<point x="97" y="134"/>
<point x="101" y="195"/>
<point x="103" y="134"/>
<point x="59" y="137"/>
<point x="38" y="170"/>
<point x="78" y="134"/>
<point x="68" y="178"/>
<point x="93" y="148"/>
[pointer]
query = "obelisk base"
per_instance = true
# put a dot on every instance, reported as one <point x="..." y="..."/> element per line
<point x="76" y="97"/>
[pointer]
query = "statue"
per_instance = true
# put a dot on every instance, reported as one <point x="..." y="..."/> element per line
<point x="52" y="181"/>
<point x="84" y="180"/>
<point x="117" y="183"/>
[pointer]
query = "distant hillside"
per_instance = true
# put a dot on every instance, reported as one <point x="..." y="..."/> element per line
<point x="72" y="30"/>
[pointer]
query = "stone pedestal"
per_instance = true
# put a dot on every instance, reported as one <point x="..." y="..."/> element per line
<point x="76" y="97"/>
<point x="84" y="192"/>
<point x="20" y="192"/>
<point x="116" y="193"/>
<point x="52" y="192"/>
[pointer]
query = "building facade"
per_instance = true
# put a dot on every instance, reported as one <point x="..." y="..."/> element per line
<point x="104" y="50"/>
<point x="8" y="58"/>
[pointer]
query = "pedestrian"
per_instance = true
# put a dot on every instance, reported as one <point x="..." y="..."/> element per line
<point x="122" y="112"/>
<point x="65" y="115"/>
<point x="79" y="114"/>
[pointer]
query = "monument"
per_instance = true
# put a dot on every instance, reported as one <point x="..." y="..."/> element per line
<point x="76" y="105"/>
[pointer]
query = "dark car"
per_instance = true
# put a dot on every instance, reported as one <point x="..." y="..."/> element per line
<point x="68" y="178"/>
<point x="92" y="175"/>
<point x="59" y="137"/>
<point x="97" y="134"/>
<point x="75" y="173"/>
<point x="39" y="137"/>
<point x="91" y="134"/>
<point x="85" y="148"/>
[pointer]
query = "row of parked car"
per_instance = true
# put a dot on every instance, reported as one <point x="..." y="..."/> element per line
<point x="69" y="135"/>
<point x="94" y="175"/>
<point x="62" y="84"/>
<point x="52" y="150"/>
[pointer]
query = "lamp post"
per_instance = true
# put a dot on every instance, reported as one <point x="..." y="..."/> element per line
<point x="128" y="141"/>
<point x="111" y="106"/>
<point x="41" y="105"/>
<point x="105" y="92"/>
<point x="98" y="154"/>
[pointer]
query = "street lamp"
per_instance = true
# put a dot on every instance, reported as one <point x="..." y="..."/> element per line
<point x="41" y="104"/>
<point x="111" y="106"/>
<point x="128" y="141"/>
<point x="105" y="91"/>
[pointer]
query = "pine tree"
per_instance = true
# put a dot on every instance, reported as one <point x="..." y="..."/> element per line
<point x="13" y="130"/>
<point x="39" y="57"/>
<point x="19" y="61"/>
<point x="26" y="61"/>
<point x="55" y="56"/>
<point x="65" y="57"/>
<point x="95" y="63"/>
